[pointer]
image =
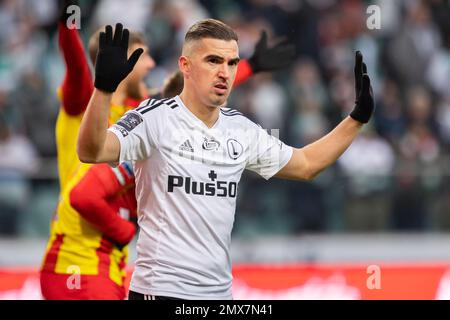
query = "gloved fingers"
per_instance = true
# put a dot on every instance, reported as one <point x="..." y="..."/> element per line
<point x="118" y="34"/>
<point x="287" y="52"/>
<point x="124" y="40"/>
<point x="283" y="41"/>
<point x="102" y="39"/>
<point x="366" y="88"/>
<point x="134" y="58"/>
<point x="108" y="34"/>
<point x="358" y="71"/>
<point x="262" y="42"/>
<point x="358" y="63"/>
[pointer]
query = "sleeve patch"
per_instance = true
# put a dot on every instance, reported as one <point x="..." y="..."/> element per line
<point x="128" y="123"/>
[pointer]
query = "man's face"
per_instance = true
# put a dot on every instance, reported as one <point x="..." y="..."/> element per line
<point x="135" y="79"/>
<point x="212" y="66"/>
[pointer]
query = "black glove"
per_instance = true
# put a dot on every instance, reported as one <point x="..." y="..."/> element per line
<point x="269" y="59"/>
<point x="365" y="103"/>
<point x="112" y="64"/>
<point x="63" y="5"/>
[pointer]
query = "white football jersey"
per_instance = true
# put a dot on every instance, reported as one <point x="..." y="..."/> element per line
<point x="187" y="179"/>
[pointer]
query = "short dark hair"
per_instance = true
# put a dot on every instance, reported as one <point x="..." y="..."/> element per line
<point x="210" y="28"/>
<point x="173" y="85"/>
<point x="135" y="38"/>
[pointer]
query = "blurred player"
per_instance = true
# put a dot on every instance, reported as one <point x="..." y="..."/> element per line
<point x="173" y="85"/>
<point x="189" y="155"/>
<point x="88" y="256"/>
<point x="77" y="243"/>
<point x="77" y="88"/>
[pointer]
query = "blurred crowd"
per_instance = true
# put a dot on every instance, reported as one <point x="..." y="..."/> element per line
<point x="395" y="176"/>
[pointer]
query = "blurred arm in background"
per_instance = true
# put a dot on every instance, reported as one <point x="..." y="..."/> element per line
<point x="265" y="59"/>
<point x="105" y="198"/>
<point x="77" y="85"/>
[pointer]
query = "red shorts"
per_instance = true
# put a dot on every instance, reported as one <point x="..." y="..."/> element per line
<point x="86" y="287"/>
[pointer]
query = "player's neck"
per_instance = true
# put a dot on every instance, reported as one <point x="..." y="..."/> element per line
<point x="208" y="115"/>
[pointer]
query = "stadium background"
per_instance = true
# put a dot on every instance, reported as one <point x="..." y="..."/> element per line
<point x="385" y="204"/>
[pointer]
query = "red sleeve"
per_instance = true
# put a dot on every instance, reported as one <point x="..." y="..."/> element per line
<point x="244" y="71"/>
<point x="77" y="86"/>
<point x="92" y="198"/>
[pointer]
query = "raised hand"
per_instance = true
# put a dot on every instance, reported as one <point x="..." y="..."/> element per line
<point x="269" y="59"/>
<point x="365" y="103"/>
<point x="112" y="64"/>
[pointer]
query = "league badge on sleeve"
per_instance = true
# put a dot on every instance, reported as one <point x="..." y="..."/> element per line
<point x="128" y="122"/>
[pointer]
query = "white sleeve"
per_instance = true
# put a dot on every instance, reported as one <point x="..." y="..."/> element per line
<point x="268" y="154"/>
<point x="138" y="135"/>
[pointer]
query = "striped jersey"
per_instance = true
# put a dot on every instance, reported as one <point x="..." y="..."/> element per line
<point x="66" y="131"/>
<point x="187" y="179"/>
<point x="74" y="241"/>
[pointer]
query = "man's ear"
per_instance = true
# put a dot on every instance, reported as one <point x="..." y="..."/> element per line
<point x="183" y="64"/>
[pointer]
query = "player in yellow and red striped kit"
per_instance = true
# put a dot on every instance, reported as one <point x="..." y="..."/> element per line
<point x="91" y="237"/>
<point x="77" y="243"/>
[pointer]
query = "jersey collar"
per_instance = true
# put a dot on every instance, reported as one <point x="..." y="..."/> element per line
<point x="195" y="118"/>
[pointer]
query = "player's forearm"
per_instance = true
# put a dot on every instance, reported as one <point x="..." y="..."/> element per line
<point x="71" y="46"/>
<point x="77" y="86"/>
<point x="92" y="134"/>
<point x="325" y="151"/>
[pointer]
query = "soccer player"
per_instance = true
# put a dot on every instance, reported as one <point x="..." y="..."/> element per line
<point x="189" y="155"/>
<point x="71" y="230"/>
<point x="77" y="243"/>
<point x="77" y="88"/>
<point x="97" y="231"/>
